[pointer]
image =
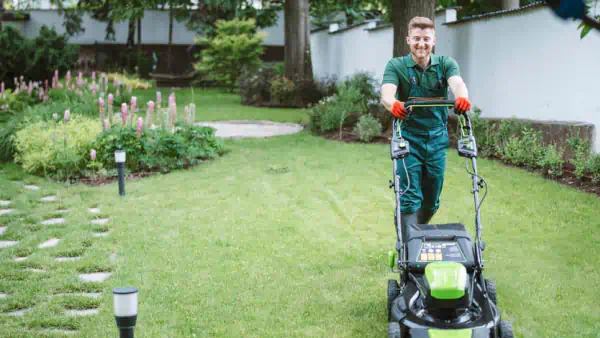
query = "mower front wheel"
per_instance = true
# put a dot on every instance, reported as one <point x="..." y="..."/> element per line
<point x="393" y="292"/>
<point x="506" y="330"/>
<point x="490" y="285"/>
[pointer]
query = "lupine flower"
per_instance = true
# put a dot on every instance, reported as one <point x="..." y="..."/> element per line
<point x="106" y="124"/>
<point x="67" y="115"/>
<point x="93" y="75"/>
<point x="149" y="113"/>
<point x="158" y="99"/>
<point x="111" y="99"/>
<point x="41" y="94"/>
<point x="56" y="74"/>
<point x="93" y="154"/>
<point x="117" y="93"/>
<point x="94" y="91"/>
<point x="140" y="125"/>
<point x="171" y="98"/>
<point x="186" y="111"/>
<point x="124" y="112"/>
<point x="2" y="88"/>
<point x="68" y="77"/>
<point x="101" y="103"/>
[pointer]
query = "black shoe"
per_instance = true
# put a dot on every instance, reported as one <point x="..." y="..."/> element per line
<point x="424" y="216"/>
<point x="407" y="219"/>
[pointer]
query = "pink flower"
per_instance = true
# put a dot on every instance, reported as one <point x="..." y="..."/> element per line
<point x="94" y="92"/>
<point x="93" y="75"/>
<point x="133" y="100"/>
<point x="124" y="112"/>
<point x="67" y="115"/>
<point x="140" y="125"/>
<point x="93" y="155"/>
<point x="56" y="74"/>
<point x="111" y="98"/>
<point x="172" y="99"/>
<point x="158" y="98"/>
<point x="101" y="103"/>
<point x="106" y="124"/>
<point x="68" y="77"/>
<point x="117" y="93"/>
<point x="46" y="85"/>
<point x="151" y="106"/>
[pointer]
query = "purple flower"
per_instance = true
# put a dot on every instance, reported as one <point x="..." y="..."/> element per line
<point x="101" y="103"/>
<point x="106" y="124"/>
<point x="67" y="115"/>
<point x="93" y="155"/>
<point x="151" y="106"/>
<point x="124" y="112"/>
<point x="93" y="75"/>
<point x="140" y="125"/>
<point x="111" y="98"/>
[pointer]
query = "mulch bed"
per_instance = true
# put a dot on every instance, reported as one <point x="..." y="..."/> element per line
<point x="568" y="178"/>
<point x="102" y="180"/>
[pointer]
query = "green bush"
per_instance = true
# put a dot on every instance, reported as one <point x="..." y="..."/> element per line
<point x="552" y="162"/>
<point x="524" y="149"/>
<point x="118" y="137"/>
<point x="282" y="90"/>
<point x="235" y="46"/>
<point x="581" y="150"/>
<point x="332" y="113"/>
<point x="594" y="168"/>
<point x="485" y="133"/>
<point x="368" y="127"/>
<point x="255" y="87"/>
<point x="56" y="149"/>
<point x="366" y="85"/>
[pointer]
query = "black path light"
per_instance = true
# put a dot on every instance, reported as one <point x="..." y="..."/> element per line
<point x="125" y="301"/>
<point x="120" y="159"/>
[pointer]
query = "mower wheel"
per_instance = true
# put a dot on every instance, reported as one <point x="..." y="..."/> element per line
<point x="490" y="285"/>
<point x="393" y="293"/>
<point x="506" y="330"/>
<point x="394" y="330"/>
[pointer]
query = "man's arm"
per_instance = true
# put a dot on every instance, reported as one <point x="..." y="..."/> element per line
<point x="458" y="86"/>
<point x="388" y="95"/>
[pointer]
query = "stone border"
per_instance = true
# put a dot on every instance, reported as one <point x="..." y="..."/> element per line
<point x="238" y="129"/>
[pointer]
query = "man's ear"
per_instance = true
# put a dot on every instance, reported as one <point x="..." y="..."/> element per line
<point x="408" y="40"/>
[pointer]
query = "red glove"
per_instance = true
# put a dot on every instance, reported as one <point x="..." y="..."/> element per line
<point x="462" y="105"/>
<point x="398" y="110"/>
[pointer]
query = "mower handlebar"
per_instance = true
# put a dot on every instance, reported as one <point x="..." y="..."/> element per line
<point x="427" y="103"/>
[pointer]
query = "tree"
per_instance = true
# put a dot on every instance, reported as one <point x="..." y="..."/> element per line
<point x="298" y="62"/>
<point x="1" y="13"/>
<point x="402" y="12"/>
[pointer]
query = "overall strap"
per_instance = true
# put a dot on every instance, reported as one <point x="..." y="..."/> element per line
<point x="441" y="80"/>
<point x="411" y="72"/>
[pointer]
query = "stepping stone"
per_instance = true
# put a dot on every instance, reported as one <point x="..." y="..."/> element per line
<point x="20" y="259"/>
<point x="93" y="295"/>
<point x="3" y="296"/>
<point x="31" y="187"/>
<point x="94" y="277"/>
<point x="93" y="210"/>
<point x="49" y="243"/>
<point x="19" y="313"/>
<point x="67" y="259"/>
<point x="63" y="211"/>
<point x="53" y="221"/>
<point x="6" y="211"/>
<point x="101" y="234"/>
<point x="35" y="270"/>
<point x="6" y="244"/>
<point x="100" y="221"/>
<point x="48" y="198"/>
<point x="5" y="203"/>
<point x="2" y="230"/>
<point x="80" y="313"/>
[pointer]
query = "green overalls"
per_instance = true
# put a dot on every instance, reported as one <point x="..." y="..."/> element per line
<point x="426" y="131"/>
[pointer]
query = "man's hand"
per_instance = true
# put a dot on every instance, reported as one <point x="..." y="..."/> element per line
<point x="461" y="105"/>
<point x="399" y="110"/>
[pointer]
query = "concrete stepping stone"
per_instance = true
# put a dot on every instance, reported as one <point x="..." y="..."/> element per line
<point x="67" y="259"/>
<point x="5" y="203"/>
<point x="100" y="221"/>
<point x="93" y="295"/>
<point x="81" y="313"/>
<point x="101" y="234"/>
<point x="19" y="313"/>
<point x="6" y="211"/>
<point x="97" y="277"/>
<point x="35" y="270"/>
<point x="48" y="198"/>
<point x="93" y="210"/>
<point x="3" y="296"/>
<point x="53" y="221"/>
<point x="49" y="243"/>
<point x="2" y="230"/>
<point x="6" y="244"/>
<point x="31" y="187"/>
<point x="20" y="259"/>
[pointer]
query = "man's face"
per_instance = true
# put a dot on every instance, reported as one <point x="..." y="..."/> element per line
<point x="421" y="42"/>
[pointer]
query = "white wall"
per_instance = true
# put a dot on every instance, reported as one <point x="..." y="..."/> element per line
<point x="528" y="64"/>
<point x="155" y="29"/>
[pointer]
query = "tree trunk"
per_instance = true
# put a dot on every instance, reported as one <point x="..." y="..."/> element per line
<point x="298" y="61"/>
<point x="402" y="12"/>
<point x="139" y="35"/>
<point x="1" y="13"/>
<point x="131" y="34"/>
<point x="169" y="65"/>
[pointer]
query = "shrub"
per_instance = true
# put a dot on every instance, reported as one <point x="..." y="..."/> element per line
<point x="368" y="127"/>
<point x="255" y="87"/>
<point x="235" y="46"/>
<point x="56" y="149"/>
<point x="128" y="81"/>
<point x="332" y="113"/>
<point x="552" y="162"/>
<point x="115" y="138"/>
<point x="366" y="85"/>
<point x="524" y="149"/>
<point x="594" y="168"/>
<point x="283" y="90"/>
<point x="51" y="51"/>
<point x="581" y="150"/>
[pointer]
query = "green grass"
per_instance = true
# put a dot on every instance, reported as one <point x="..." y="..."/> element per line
<point x="240" y="247"/>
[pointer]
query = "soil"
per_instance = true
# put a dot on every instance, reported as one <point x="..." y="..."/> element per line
<point x="568" y="178"/>
<point x="102" y="180"/>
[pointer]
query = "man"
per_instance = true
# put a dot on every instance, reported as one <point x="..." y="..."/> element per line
<point x="422" y="74"/>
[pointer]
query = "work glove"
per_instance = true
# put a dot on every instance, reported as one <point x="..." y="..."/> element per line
<point x="462" y="105"/>
<point x="398" y="110"/>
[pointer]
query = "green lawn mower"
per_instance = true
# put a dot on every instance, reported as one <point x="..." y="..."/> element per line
<point x="441" y="292"/>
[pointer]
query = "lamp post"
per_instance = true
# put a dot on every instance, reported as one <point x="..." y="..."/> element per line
<point x="120" y="159"/>
<point x="125" y="301"/>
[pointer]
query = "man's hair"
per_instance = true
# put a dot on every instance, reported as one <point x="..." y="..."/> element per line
<point x="420" y="22"/>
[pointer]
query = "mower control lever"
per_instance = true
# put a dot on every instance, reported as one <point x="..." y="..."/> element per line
<point x="399" y="149"/>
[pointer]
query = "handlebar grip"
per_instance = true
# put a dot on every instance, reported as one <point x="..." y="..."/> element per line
<point x="429" y="102"/>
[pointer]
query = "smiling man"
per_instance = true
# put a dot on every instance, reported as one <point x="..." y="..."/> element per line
<point x="422" y="75"/>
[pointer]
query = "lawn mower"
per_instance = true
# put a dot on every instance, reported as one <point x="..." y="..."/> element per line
<point x="441" y="290"/>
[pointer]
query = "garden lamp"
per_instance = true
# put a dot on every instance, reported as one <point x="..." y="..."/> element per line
<point x="120" y="159"/>
<point x="125" y="302"/>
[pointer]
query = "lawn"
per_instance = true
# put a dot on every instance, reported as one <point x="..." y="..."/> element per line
<point x="284" y="237"/>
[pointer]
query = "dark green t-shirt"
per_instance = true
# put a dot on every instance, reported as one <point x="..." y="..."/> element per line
<point x="396" y="73"/>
